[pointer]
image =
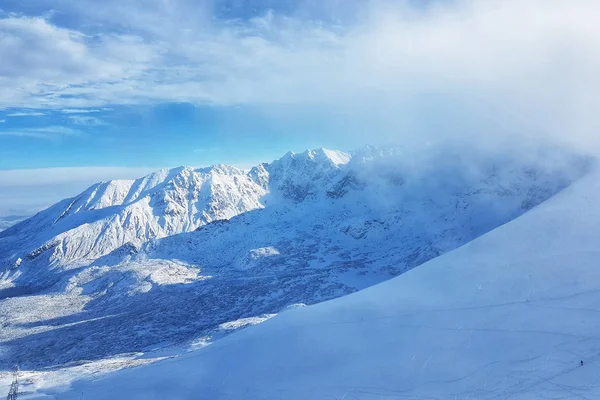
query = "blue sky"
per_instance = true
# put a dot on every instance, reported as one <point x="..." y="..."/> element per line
<point x="159" y="83"/>
<point x="55" y="127"/>
<point x="161" y="135"/>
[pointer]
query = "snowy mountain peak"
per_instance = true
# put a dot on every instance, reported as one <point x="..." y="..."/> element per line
<point x="110" y="214"/>
<point x="297" y="176"/>
<point x="332" y="157"/>
<point x="167" y="184"/>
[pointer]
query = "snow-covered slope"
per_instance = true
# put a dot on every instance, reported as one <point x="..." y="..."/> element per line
<point x="508" y="316"/>
<point x="184" y="256"/>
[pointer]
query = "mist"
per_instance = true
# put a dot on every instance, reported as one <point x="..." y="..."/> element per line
<point x="467" y="71"/>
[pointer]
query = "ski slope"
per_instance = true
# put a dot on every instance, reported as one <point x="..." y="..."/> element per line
<point x="508" y="316"/>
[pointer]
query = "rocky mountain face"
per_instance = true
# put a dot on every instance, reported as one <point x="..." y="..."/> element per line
<point x="186" y="255"/>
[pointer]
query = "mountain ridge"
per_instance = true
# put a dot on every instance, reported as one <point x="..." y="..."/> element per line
<point x="229" y="192"/>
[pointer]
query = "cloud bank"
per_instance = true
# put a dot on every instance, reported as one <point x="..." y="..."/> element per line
<point x="462" y="68"/>
<point x="47" y="132"/>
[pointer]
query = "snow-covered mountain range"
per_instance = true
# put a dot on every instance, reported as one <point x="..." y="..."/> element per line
<point x="511" y="315"/>
<point x="183" y="256"/>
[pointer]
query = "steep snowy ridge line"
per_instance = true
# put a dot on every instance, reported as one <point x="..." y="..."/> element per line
<point x="229" y="192"/>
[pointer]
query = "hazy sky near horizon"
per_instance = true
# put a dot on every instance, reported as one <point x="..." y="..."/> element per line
<point x="159" y="83"/>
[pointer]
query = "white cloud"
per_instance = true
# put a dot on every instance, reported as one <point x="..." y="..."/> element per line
<point x="486" y="67"/>
<point x="44" y="64"/>
<point x="86" y="120"/>
<point x="82" y="110"/>
<point x="47" y="132"/>
<point x="26" y="114"/>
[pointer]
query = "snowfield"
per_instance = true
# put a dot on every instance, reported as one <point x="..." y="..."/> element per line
<point x="509" y="315"/>
<point x="133" y="271"/>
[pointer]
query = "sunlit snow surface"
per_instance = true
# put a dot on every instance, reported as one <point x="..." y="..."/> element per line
<point x="507" y="316"/>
